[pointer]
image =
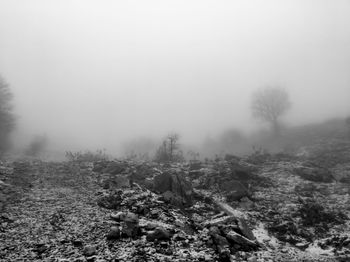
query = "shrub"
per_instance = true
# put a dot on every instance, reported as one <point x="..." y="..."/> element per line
<point x="169" y="150"/>
<point x="313" y="213"/>
<point x="38" y="144"/>
<point x="87" y="156"/>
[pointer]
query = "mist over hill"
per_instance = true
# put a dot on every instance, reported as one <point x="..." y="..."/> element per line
<point x="111" y="73"/>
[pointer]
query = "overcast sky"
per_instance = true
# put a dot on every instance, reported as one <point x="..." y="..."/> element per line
<point x="94" y="73"/>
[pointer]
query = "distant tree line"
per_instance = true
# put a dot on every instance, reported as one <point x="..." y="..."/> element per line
<point x="7" y="117"/>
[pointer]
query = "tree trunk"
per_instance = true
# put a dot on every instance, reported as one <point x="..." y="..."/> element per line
<point x="276" y="128"/>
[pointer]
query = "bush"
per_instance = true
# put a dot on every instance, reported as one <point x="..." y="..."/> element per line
<point x="38" y="144"/>
<point x="169" y="150"/>
<point x="313" y="213"/>
<point x="87" y="156"/>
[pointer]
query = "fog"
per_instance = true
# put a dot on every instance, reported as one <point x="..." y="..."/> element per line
<point x="96" y="74"/>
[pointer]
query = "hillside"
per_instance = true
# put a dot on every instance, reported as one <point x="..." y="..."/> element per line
<point x="258" y="208"/>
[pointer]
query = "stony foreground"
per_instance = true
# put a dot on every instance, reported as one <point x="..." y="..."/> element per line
<point x="267" y="208"/>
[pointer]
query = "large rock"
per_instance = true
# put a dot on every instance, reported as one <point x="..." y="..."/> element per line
<point x="111" y="201"/>
<point x="89" y="250"/>
<point x="239" y="239"/>
<point x="99" y="166"/>
<point x="221" y="243"/>
<point x="239" y="171"/>
<point x="130" y="224"/>
<point x="176" y="189"/>
<point x="142" y="172"/>
<point x="228" y="176"/>
<point x="159" y="233"/>
<point x="114" y="233"/>
<point x="163" y="182"/>
<point x="245" y="229"/>
<point x="195" y="165"/>
<point x="234" y="189"/>
<point x="115" y="182"/>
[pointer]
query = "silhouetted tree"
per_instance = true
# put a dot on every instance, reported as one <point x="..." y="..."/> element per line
<point x="173" y="144"/>
<point x="268" y="104"/>
<point x="7" y="119"/>
<point x="169" y="149"/>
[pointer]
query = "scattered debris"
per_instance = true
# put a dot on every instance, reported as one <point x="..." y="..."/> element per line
<point x="260" y="208"/>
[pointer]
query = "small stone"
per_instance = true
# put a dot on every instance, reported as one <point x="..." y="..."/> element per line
<point x="154" y="213"/>
<point x="130" y="226"/>
<point x="40" y="248"/>
<point x="159" y="233"/>
<point x="214" y="230"/>
<point x="284" y="250"/>
<point x="89" y="250"/>
<point x="80" y="259"/>
<point x="252" y="259"/>
<point x="164" y="244"/>
<point x="118" y="216"/>
<point x="114" y="233"/>
<point x="77" y="242"/>
<point x="219" y="221"/>
<point x="239" y="239"/>
<point x="302" y="245"/>
<point x="131" y="218"/>
<point x="91" y="258"/>
<point x="180" y="237"/>
<point x="150" y="226"/>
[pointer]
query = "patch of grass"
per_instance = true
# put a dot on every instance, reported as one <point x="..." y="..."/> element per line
<point x="313" y="213"/>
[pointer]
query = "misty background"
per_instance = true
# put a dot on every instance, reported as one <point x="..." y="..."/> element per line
<point x="104" y="74"/>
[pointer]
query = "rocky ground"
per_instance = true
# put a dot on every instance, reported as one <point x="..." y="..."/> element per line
<point x="259" y="208"/>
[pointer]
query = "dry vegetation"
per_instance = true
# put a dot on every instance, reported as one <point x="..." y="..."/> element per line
<point x="262" y="207"/>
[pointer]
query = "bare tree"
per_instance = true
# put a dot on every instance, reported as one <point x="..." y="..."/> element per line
<point x="169" y="149"/>
<point x="268" y="104"/>
<point x="173" y="144"/>
<point x="7" y="119"/>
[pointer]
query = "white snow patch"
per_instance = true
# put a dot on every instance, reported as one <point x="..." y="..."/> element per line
<point x="263" y="236"/>
<point x="317" y="250"/>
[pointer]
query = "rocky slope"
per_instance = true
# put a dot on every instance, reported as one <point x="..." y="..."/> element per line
<point x="259" y="208"/>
